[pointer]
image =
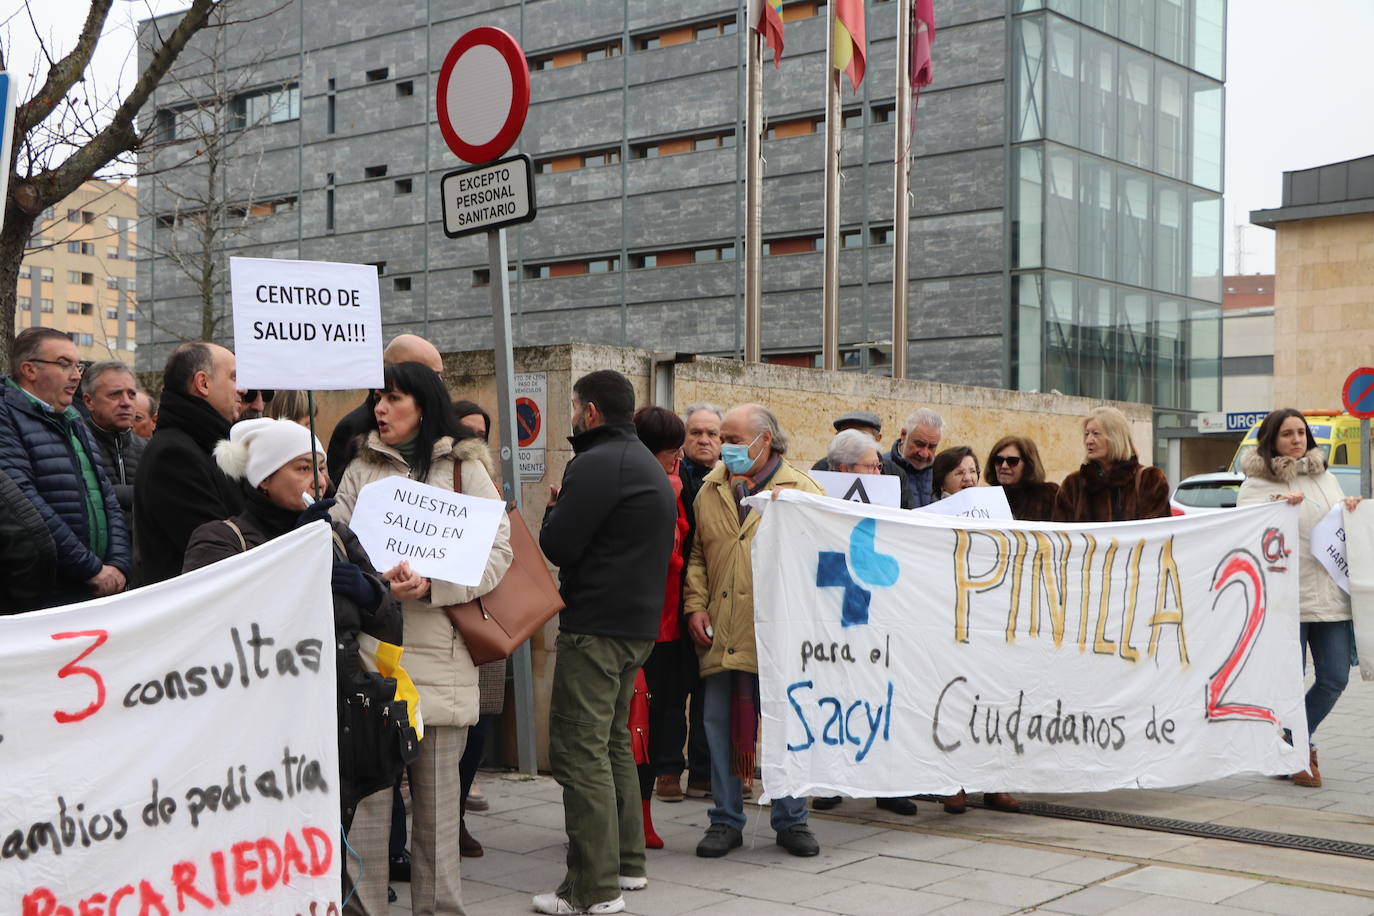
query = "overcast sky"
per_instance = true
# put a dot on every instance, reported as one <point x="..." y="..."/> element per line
<point x="1297" y="94"/>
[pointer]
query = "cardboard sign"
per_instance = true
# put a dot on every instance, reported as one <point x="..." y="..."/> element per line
<point x="1328" y="546"/>
<point x="973" y="502"/>
<point x="874" y="489"/>
<point x="306" y="325"/>
<point x="441" y="534"/>
<point x="176" y="743"/>
<point x="904" y="653"/>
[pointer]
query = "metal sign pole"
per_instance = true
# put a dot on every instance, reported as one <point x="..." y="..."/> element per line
<point x="1364" y="459"/>
<point x="510" y="480"/>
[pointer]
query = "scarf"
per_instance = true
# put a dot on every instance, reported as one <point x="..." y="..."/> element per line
<point x="744" y="723"/>
<point x="746" y="485"/>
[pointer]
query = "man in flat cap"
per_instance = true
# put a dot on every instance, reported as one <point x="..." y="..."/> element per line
<point x="871" y="424"/>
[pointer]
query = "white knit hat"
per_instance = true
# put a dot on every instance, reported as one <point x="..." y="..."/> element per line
<point x="256" y="449"/>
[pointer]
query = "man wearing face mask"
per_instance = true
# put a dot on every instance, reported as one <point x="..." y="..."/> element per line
<point x="720" y="617"/>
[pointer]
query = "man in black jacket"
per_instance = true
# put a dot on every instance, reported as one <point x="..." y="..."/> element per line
<point x="610" y="531"/>
<point x="28" y="558"/>
<point x="179" y="487"/>
<point x="110" y="393"/>
<point x="47" y="451"/>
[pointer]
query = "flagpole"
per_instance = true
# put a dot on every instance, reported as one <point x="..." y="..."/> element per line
<point x="753" y="197"/>
<point x="900" y="200"/>
<point x="834" y="122"/>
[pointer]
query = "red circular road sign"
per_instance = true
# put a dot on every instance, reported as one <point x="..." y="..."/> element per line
<point x="1358" y="393"/>
<point x="527" y="421"/>
<point x="483" y="94"/>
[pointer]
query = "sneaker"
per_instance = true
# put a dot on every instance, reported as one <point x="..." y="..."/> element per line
<point x="698" y="788"/>
<point x="668" y="788"/>
<point x="633" y="883"/>
<point x="476" y="800"/>
<point x="799" y="840"/>
<point x="552" y="903"/>
<point x="825" y="802"/>
<point x="719" y="839"/>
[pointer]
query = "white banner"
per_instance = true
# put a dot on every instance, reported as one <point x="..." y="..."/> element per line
<point x="174" y="748"/>
<point x="877" y="489"/>
<point x="1359" y="542"/>
<point x="902" y="653"/>
<point x="306" y="325"/>
<point x="973" y="502"/>
<point x="441" y="534"/>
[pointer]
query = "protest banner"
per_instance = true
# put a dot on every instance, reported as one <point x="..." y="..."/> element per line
<point x="875" y="489"/>
<point x="973" y="502"/>
<point x="901" y="653"/>
<point x="1328" y="546"/>
<point x="306" y="325"/>
<point x="441" y="534"/>
<point x="1359" y="543"/>
<point x="174" y="748"/>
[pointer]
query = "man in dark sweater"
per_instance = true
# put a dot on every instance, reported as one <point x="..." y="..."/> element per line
<point x="110" y="393"/>
<point x="179" y="487"/>
<point x="610" y="531"/>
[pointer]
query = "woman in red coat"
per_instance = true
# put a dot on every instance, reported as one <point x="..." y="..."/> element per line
<point x="1112" y="485"/>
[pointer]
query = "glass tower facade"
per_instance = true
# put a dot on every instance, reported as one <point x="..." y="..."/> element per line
<point x="1116" y="179"/>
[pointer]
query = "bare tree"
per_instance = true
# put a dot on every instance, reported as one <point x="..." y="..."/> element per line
<point x="203" y="161"/>
<point x="61" y="138"/>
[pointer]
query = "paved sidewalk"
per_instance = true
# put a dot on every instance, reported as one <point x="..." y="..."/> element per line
<point x="874" y="862"/>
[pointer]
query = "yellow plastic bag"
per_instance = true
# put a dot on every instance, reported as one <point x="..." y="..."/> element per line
<point x="384" y="658"/>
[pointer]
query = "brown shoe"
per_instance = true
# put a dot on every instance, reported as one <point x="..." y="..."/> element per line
<point x="956" y="803"/>
<point x="1001" y="801"/>
<point x="468" y="847"/>
<point x="698" y="788"/>
<point x="668" y="788"/>
<point x="1311" y="777"/>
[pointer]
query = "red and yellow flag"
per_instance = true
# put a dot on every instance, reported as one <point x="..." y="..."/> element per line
<point x="765" y="17"/>
<point x="850" y="39"/>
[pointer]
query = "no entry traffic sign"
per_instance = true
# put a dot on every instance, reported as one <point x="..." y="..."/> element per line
<point x="1358" y="393"/>
<point x="483" y="94"/>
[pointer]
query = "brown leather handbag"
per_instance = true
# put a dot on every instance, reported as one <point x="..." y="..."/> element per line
<point x="525" y="599"/>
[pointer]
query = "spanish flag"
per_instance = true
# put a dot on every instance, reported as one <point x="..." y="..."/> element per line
<point x="765" y="17"/>
<point x="850" y="39"/>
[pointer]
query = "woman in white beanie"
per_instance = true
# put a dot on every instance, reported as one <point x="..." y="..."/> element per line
<point x="272" y="458"/>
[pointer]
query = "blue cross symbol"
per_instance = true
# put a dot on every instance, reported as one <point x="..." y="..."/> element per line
<point x="876" y="569"/>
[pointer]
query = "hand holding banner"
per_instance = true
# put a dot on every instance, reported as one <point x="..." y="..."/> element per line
<point x="441" y="534"/>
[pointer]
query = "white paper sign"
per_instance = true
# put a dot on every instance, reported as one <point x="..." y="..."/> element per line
<point x="875" y="489"/>
<point x="973" y="502"/>
<point x="306" y="325"/>
<point x="901" y="652"/>
<point x="1359" y="533"/>
<point x="441" y="534"/>
<point x="176" y="743"/>
<point x="1328" y="546"/>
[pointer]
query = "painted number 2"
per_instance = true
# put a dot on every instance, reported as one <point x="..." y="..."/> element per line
<point x="1239" y="567"/>
<point x="74" y="667"/>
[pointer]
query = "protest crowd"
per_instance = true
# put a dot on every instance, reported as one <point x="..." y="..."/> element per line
<point x="103" y="489"/>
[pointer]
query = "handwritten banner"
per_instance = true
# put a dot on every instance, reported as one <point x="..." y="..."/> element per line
<point x="441" y="534"/>
<point x="304" y="325"/>
<point x="878" y="489"/>
<point x="175" y="747"/>
<point x="903" y="653"/>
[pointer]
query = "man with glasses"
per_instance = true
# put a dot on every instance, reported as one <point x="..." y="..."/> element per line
<point x="47" y="450"/>
<point x="868" y="423"/>
<point x="914" y="452"/>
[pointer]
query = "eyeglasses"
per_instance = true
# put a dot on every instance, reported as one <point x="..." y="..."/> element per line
<point x="66" y="365"/>
<point x="251" y="395"/>
<point x="1010" y="461"/>
<point x="872" y="466"/>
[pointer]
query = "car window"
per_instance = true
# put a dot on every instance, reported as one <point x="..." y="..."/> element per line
<point x="1338" y="455"/>
<point x="1208" y="495"/>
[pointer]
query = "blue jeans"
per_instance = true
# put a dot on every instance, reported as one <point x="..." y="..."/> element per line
<point x="1330" y="645"/>
<point x="726" y="789"/>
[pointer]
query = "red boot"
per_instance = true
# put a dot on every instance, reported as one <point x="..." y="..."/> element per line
<point x="651" y="839"/>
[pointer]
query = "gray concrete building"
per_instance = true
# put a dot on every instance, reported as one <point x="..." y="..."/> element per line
<point x="1066" y="211"/>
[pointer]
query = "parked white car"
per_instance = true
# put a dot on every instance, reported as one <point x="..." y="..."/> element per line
<point x="1204" y="493"/>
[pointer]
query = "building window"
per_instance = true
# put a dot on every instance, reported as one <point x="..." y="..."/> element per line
<point x="852" y="238"/>
<point x="112" y="283"/>
<point x="794" y="128"/>
<point x="380" y="265"/>
<point x="570" y="56"/>
<point x="404" y="185"/>
<point x="374" y="171"/>
<point x="266" y="106"/>
<point x="646" y="43"/>
<point x="533" y="272"/>
<point x="329" y="202"/>
<point x="73" y="308"/>
<point x="797" y="245"/>
<point x="400" y="284"/>
<point x="45" y="274"/>
<point x="24" y="271"/>
<point x="481" y="277"/>
<point x="376" y="76"/>
<point x="45" y="305"/>
<point x="854" y="117"/>
<point x="112" y="253"/>
<point x="73" y="216"/>
<point x="405" y="89"/>
<point x="112" y="223"/>
<point x="73" y="276"/>
<point x="880" y="235"/>
<point x="112" y="314"/>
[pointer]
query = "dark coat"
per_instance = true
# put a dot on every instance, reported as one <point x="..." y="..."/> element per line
<point x="28" y="558"/>
<point x="120" y="453"/>
<point x="1127" y="491"/>
<point x="611" y="533"/>
<point x="1032" y="502"/>
<point x="179" y="487"/>
<point x="891" y="469"/>
<point x="918" y="484"/>
<point x="36" y="452"/>
<point x="344" y="440"/>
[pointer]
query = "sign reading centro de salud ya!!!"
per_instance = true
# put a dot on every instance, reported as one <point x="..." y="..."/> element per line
<point x="902" y="652"/>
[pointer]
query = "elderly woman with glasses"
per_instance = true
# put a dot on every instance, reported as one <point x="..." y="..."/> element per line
<point x="1014" y="465"/>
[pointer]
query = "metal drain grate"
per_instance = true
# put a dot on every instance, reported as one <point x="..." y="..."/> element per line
<point x="1194" y="828"/>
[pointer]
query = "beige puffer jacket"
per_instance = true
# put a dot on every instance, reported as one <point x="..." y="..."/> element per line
<point x="1320" y="599"/>
<point x="435" y="656"/>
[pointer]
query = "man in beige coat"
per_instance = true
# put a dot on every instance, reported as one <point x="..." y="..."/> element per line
<point x="719" y="605"/>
